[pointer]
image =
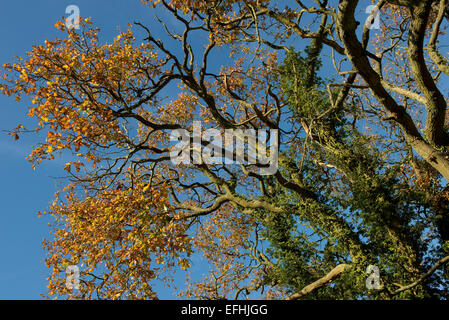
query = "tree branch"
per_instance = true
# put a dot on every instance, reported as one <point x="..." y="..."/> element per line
<point x="331" y="276"/>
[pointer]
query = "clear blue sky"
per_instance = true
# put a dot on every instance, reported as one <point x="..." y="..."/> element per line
<point x="23" y="192"/>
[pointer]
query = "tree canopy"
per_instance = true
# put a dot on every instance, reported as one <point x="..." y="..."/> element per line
<point x="363" y="150"/>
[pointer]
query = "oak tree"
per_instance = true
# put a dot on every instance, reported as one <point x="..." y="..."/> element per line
<point x="363" y="159"/>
